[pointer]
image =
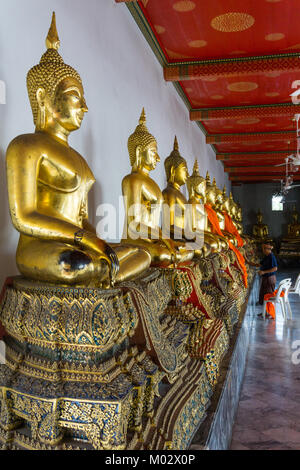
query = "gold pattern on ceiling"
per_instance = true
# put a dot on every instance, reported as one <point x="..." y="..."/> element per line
<point x="242" y="86"/>
<point x="248" y="121"/>
<point x="197" y="43"/>
<point x="184" y="5"/>
<point x="233" y="22"/>
<point x="274" y="37"/>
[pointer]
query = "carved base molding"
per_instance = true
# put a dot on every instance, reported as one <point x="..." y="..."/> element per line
<point x="129" y="368"/>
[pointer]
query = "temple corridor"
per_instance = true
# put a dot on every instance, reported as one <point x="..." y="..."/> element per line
<point x="268" y="416"/>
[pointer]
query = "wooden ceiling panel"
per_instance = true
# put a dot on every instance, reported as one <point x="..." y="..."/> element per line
<point x="235" y="64"/>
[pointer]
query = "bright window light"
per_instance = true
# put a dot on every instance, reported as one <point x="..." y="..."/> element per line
<point x="277" y="204"/>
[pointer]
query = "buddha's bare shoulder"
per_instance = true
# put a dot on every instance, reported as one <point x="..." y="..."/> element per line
<point x="25" y="143"/>
<point x="132" y="178"/>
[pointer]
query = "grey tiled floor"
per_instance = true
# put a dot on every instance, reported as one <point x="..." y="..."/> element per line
<point x="268" y="415"/>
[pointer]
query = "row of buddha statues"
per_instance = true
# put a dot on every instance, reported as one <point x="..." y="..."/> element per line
<point x="95" y="330"/>
<point x="49" y="182"/>
<point x="289" y="242"/>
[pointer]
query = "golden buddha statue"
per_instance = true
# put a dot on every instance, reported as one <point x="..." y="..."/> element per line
<point x="175" y="203"/>
<point x="223" y="205"/>
<point x="48" y="185"/>
<point x="239" y="218"/>
<point x="260" y="230"/>
<point x="294" y="227"/>
<point x="211" y="200"/>
<point x="143" y="202"/>
<point x="196" y="185"/>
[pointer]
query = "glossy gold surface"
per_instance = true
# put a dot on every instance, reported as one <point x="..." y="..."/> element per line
<point x="223" y="205"/>
<point x="294" y="227"/>
<point x="211" y="198"/>
<point x="196" y="185"/>
<point x="260" y="231"/>
<point x="141" y="192"/>
<point x="48" y="186"/>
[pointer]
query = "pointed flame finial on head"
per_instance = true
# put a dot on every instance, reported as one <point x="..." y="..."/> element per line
<point x="196" y="171"/>
<point x="214" y="182"/>
<point x="224" y="191"/>
<point x="143" y="117"/>
<point x="176" y="145"/>
<point x="52" y="41"/>
<point x="208" y="178"/>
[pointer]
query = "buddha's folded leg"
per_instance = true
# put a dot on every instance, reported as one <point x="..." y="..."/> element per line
<point x="56" y="262"/>
<point x="160" y="254"/>
<point x="133" y="261"/>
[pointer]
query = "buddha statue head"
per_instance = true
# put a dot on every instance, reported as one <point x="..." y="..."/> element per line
<point x="55" y="91"/>
<point x="210" y="191"/>
<point x="226" y="204"/>
<point x="259" y="217"/>
<point x="240" y="213"/>
<point x="295" y="216"/>
<point x="232" y="207"/>
<point x="142" y="147"/>
<point x="196" y="184"/>
<point x="176" y="167"/>
<point x="219" y="195"/>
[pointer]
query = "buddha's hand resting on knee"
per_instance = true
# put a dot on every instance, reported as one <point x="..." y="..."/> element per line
<point x="90" y="241"/>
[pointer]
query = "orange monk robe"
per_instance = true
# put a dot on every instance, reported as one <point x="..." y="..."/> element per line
<point x="231" y="228"/>
<point x="213" y="219"/>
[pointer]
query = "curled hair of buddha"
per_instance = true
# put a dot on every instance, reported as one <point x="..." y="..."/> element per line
<point x="195" y="179"/>
<point x="49" y="72"/>
<point x="174" y="159"/>
<point x="141" y="137"/>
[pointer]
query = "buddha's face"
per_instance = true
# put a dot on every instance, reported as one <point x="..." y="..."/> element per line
<point x="66" y="110"/>
<point x="219" y="198"/>
<point x="200" y="191"/>
<point x="225" y="204"/>
<point x="259" y="218"/>
<point x="233" y="211"/>
<point x="149" y="157"/>
<point x="210" y="195"/>
<point x="181" y="174"/>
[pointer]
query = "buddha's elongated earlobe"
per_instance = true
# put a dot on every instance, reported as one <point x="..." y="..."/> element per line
<point x="41" y="118"/>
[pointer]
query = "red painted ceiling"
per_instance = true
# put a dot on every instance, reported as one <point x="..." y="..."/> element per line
<point x="190" y="31"/>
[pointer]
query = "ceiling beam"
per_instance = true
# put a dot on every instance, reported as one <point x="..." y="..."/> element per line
<point x="242" y="112"/>
<point x="255" y="155"/>
<point x="251" y="137"/>
<point x="259" y="178"/>
<point x="238" y="67"/>
<point x="124" y="1"/>
<point x="255" y="169"/>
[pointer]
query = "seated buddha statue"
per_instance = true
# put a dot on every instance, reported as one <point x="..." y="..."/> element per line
<point x="48" y="186"/>
<point x="176" y="213"/>
<point x="221" y="205"/>
<point x="175" y="202"/>
<point x="235" y="212"/>
<point x="211" y="197"/>
<point x="294" y="227"/>
<point x="196" y="185"/>
<point x="260" y="231"/>
<point x="143" y="202"/>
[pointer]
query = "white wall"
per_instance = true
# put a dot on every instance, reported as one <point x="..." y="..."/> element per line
<point x="120" y="74"/>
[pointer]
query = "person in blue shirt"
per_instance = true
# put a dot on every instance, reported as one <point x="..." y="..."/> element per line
<point x="268" y="268"/>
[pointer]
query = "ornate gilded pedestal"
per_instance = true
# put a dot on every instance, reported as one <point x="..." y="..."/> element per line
<point x="208" y="339"/>
<point x="102" y="369"/>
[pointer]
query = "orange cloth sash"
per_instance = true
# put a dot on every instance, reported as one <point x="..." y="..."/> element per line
<point x="213" y="219"/>
<point x="270" y="308"/>
<point x="231" y="228"/>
